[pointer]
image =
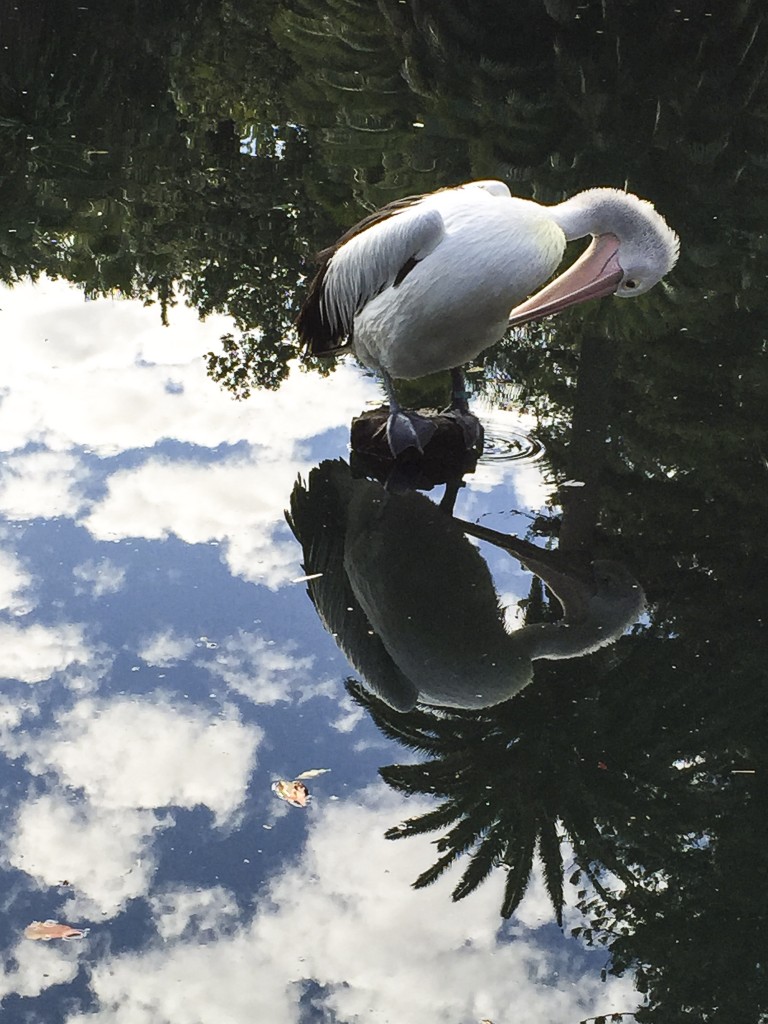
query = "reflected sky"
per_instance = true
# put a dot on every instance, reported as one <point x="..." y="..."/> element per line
<point x="161" y="668"/>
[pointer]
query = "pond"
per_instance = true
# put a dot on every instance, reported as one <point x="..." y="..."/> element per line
<point x="289" y="735"/>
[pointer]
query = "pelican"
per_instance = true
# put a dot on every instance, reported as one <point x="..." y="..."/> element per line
<point x="428" y="282"/>
<point x="411" y="602"/>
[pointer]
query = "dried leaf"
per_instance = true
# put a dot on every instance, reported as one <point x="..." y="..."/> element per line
<point x="47" y="930"/>
<point x="294" y="793"/>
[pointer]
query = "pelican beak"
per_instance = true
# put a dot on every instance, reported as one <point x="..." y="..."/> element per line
<point x="597" y="272"/>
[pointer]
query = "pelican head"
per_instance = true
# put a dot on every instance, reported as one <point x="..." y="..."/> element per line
<point x="632" y="249"/>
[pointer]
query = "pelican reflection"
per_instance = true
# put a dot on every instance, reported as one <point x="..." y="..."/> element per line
<point x="411" y="602"/>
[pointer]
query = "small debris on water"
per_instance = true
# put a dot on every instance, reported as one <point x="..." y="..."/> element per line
<point x="304" y="579"/>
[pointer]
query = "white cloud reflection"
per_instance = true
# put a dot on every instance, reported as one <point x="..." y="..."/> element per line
<point x="37" y="966"/>
<point x="68" y="392"/>
<point x="237" y="501"/>
<point x="145" y="754"/>
<point x="41" y="484"/>
<point x="126" y="760"/>
<point x="105" y="855"/>
<point x="67" y="388"/>
<point x="33" y="653"/>
<point x="343" y="916"/>
<point x="15" y="585"/>
<point x="266" y="673"/>
<point x="99" y="577"/>
<point x="182" y="913"/>
<point x="166" y="648"/>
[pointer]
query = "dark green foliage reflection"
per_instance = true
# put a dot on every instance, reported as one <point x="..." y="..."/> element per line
<point x="207" y="150"/>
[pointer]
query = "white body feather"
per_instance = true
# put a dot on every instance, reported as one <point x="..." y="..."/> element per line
<point x="428" y="282"/>
<point x="436" y="318"/>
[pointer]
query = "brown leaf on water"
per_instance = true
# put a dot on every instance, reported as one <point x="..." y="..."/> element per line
<point x="294" y="793"/>
<point x="47" y="930"/>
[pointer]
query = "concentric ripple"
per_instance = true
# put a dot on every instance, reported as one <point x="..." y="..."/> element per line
<point x="507" y="441"/>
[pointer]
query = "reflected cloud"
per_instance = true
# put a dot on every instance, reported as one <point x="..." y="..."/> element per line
<point x="36" y="967"/>
<point x="265" y="673"/>
<point x="41" y="484"/>
<point x="527" y="482"/>
<point x="66" y="388"/>
<point x="134" y="754"/>
<point x="15" y="585"/>
<point x="186" y="913"/>
<point x="349" y="717"/>
<point x="236" y="502"/>
<point x="527" y="477"/>
<point x="166" y="648"/>
<point x="11" y="714"/>
<point x="446" y="963"/>
<point x="100" y="577"/>
<point x="35" y="652"/>
<point x="104" y="854"/>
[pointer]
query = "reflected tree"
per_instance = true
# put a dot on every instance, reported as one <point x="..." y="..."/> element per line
<point x="666" y="848"/>
<point x="144" y="156"/>
<point x="511" y="784"/>
<point x="207" y="150"/>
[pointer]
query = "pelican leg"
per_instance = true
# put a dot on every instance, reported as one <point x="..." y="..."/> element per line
<point x="459" y="393"/>
<point x="459" y="410"/>
<point x="405" y="429"/>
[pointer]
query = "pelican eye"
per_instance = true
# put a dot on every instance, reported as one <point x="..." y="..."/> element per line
<point x="630" y="284"/>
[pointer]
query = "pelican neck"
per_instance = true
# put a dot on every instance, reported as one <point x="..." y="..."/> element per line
<point x="599" y="211"/>
<point x="578" y="216"/>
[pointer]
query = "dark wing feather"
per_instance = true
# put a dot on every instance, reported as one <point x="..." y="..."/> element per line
<point x="318" y="519"/>
<point x="319" y="333"/>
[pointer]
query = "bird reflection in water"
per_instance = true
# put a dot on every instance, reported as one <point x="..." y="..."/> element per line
<point x="411" y="602"/>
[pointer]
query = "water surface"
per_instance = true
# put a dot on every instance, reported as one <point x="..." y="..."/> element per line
<point x="163" y="661"/>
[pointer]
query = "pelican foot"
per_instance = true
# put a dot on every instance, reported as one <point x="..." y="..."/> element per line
<point x="471" y="428"/>
<point x="408" y="430"/>
<point x="459" y="402"/>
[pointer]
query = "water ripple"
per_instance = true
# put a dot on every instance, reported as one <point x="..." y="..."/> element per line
<point x="509" y="442"/>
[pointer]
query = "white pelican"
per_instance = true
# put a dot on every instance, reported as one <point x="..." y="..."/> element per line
<point x="428" y="282"/>
<point x="412" y="604"/>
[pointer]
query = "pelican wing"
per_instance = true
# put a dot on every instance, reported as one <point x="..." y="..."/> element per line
<point x="318" y="518"/>
<point x="377" y="253"/>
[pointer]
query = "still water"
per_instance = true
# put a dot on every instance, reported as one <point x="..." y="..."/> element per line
<point x="186" y="558"/>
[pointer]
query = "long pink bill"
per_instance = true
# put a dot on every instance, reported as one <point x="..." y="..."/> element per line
<point x="596" y="273"/>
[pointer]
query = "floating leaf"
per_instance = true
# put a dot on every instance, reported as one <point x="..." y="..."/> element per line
<point x="294" y="793"/>
<point x="47" y="930"/>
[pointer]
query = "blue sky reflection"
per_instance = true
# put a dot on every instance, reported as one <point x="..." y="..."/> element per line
<point x="160" y="670"/>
